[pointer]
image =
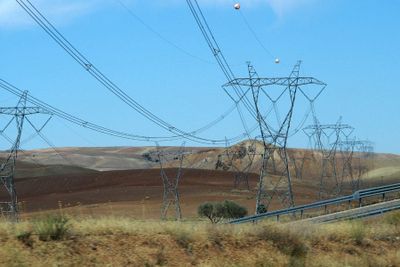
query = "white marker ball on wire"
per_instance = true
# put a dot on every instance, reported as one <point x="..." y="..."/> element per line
<point x="237" y="6"/>
<point x="277" y="61"/>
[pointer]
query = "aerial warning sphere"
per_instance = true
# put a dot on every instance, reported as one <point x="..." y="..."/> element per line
<point x="277" y="61"/>
<point x="237" y="6"/>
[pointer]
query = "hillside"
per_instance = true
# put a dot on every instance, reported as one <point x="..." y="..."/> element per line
<point x="126" y="180"/>
<point x="118" y="241"/>
<point x="127" y="158"/>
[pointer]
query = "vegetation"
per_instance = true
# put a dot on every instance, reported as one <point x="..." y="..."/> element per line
<point x="358" y="232"/>
<point x="393" y="219"/>
<point x="51" y="227"/>
<point x="261" y="209"/>
<point x="112" y="241"/>
<point x="217" y="211"/>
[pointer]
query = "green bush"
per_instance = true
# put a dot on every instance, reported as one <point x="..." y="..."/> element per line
<point x="217" y="211"/>
<point x="51" y="227"/>
<point x="261" y="209"/>
<point x="233" y="210"/>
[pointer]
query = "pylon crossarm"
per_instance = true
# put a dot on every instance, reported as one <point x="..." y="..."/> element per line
<point x="23" y="111"/>
<point x="282" y="81"/>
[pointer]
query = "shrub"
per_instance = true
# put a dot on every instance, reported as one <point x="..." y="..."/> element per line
<point x="234" y="210"/>
<point x="26" y="238"/>
<point x="288" y="242"/>
<point x="182" y="237"/>
<point x="216" y="211"/>
<point x="261" y="209"/>
<point x="211" y="210"/>
<point x="51" y="227"/>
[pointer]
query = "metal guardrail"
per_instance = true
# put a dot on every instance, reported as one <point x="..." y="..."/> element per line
<point x="369" y="213"/>
<point x="358" y="195"/>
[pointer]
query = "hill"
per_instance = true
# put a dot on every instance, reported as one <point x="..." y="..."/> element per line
<point x="126" y="180"/>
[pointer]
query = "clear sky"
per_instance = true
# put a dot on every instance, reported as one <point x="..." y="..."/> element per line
<point x="350" y="45"/>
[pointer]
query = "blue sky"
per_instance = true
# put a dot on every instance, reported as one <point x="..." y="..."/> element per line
<point x="350" y="45"/>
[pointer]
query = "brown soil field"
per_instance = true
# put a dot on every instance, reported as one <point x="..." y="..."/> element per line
<point x="44" y="184"/>
<point x="138" y="193"/>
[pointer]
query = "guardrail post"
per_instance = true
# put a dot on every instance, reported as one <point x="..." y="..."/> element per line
<point x="384" y="196"/>
<point x="277" y="218"/>
<point x="349" y="204"/>
<point x="326" y="209"/>
<point x="360" y="202"/>
<point x="301" y="214"/>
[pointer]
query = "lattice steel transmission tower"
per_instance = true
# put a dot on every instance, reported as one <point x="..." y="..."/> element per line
<point x="298" y="163"/>
<point x="274" y="139"/>
<point x="239" y="159"/>
<point x="170" y="185"/>
<point x="18" y="114"/>
<point x="356" y="157"/>
<point x="326" y="139"/>
<point x="365" y="155"/>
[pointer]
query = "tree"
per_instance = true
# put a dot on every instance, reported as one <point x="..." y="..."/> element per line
<point x="217" y="211"/>
<point x="233" y="210"/>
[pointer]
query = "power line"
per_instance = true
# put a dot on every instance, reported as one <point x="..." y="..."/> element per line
<point x="95" y="127"/>
<point x="255" y="34"/>
<point x="217" y="52"/>
<point x="48" y="142"/>
<point x="41" y="20"/>
<point x="158" y="34"/>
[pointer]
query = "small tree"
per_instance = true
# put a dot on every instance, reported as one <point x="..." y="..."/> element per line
<point x="234" y="210"/>
<point x="216" y="211"/>
<point x="212" y="210"/>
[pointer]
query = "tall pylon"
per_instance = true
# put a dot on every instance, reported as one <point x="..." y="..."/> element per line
<point x="170" y="185"/>
<point x="18" y="114"/>
<point x="275" y="182"/>
<point x="356" y="157"/>
<point x="239" y="159"/>
<point x="326" y="139"/>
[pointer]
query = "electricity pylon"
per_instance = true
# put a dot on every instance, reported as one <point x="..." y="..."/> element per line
<point x="326" y="139"/>
<point x="170" y="185"/>
<point x="18" y="114"/>
<point x="356" y="155"/>
<point x="298" y="165"/>
<point x="239" y="159"/>
<point x="274" y="139"/>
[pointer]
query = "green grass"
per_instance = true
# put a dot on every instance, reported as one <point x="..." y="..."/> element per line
<point x="51" y="227"/>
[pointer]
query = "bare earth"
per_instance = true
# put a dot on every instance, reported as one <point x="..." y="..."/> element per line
<point x="122" y="181"/>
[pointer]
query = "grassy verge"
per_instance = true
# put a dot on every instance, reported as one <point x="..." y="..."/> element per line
<point x="111" y="241"/>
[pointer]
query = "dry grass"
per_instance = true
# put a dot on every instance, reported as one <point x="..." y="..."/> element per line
<point x="112" y="241"/>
